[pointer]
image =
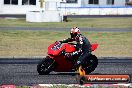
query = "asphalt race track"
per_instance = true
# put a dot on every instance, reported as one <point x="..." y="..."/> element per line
<point x="22" y="71"/>
<point x="67" y="29"/>
<point x="69" y="16"/>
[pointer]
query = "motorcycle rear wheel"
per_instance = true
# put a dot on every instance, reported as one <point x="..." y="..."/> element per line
<point x="45" y="66"/>
<point x="90" y="64"/>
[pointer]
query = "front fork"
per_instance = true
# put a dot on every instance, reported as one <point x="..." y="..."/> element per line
<point x="51" y="64"/>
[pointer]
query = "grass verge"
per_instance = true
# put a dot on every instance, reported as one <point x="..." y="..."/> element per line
<point x="35" y="43"/>
<point x="120" y="22"/>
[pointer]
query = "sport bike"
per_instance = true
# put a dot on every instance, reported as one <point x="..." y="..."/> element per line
<point x="58" y="62"/>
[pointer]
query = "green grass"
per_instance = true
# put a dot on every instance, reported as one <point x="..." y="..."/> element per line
<point x="35" y="43"/>
<point x="125" y="22"/>
<point x="23" y="87"/>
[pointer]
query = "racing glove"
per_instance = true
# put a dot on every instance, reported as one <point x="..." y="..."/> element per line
<point x="60" y="42"/>
<point x="77" y="52"/>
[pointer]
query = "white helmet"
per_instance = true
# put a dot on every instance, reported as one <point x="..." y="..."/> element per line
<point x="74" y="32"/>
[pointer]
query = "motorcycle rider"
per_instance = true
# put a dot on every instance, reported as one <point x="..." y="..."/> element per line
<point x="83" y="45"/>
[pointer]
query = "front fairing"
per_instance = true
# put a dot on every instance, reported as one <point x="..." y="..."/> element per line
<point x="56" y="48"/>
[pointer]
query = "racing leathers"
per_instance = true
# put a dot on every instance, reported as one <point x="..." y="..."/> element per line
<point x="83" y="45"/>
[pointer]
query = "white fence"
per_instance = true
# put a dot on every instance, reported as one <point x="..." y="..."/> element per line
<point x="97" y="11"/>
<point x="71" y="10"/>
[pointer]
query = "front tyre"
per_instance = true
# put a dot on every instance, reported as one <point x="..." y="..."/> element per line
<point x="91" y="64"/>
<point x="45" y="66"/>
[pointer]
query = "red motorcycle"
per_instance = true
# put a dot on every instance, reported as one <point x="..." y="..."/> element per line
<point x="56" y="60"/>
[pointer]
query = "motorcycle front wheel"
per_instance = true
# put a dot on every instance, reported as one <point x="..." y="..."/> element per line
<point x="45" y="66"/>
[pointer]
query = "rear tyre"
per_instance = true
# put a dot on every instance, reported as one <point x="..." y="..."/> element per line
<point x="45" y="66"/>
<point x="91" y="64"/>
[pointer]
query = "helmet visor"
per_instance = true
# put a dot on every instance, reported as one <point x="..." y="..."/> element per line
<point x="73" y="35"/>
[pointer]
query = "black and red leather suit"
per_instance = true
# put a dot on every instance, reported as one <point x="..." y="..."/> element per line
<point x="83" y="45"/>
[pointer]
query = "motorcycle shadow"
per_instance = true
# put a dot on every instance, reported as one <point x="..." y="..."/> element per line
<point x="70" y="73"/>
<point x="64" y="73"/>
